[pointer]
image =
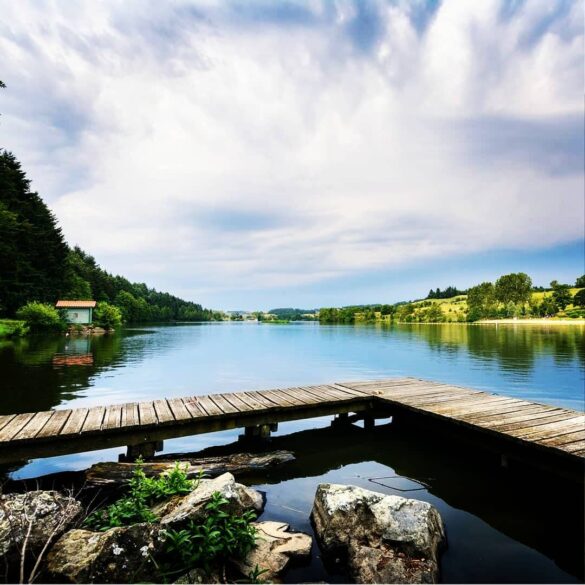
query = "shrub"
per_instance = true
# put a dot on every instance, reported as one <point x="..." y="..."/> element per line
<point x="143" y="492"/>
<point x="41" y="317"/>
<point x="12" y="328"/>
<point x="221" y="536"/>
<point x="107" y="316"/>
<point x="579" y="298"/>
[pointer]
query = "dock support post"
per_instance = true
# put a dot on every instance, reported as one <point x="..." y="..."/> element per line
<point x="504" y="461"/>
<point x="258" y="432"/>
<point x="143" y="450"/>
<point x="369" y="422"/>
<point x="340" y="420"/>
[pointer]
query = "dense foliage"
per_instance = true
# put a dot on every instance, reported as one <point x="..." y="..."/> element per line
<point x="33" y="252"/>
<point x="291" y="314"/>
<point x="448" y="293"/>
<point x="136" y="301"/>
<point x="37" y="265"/>
<point x="221" y="536"/>
<point x="41" y="317"/>
<point x="513" y="288"/>
<point x="107" y="316"/>
<point x="204" y="545"/>
<point x="142" y="493"/>
<point x="12" y="328"/>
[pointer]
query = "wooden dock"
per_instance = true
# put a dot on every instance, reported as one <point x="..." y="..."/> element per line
<point x="512" y="425"/>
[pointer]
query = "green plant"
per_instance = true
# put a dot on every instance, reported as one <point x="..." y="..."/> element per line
<point x="254" y="576"/>
<point x="107" y="316"/>
<point x="143" y="492"/>
<point x="12" y="328"/>
<point x="40" y="317"/>
<point x="220" y="536"/>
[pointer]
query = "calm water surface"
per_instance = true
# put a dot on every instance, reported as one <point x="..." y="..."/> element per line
<point x="503" y="526"/>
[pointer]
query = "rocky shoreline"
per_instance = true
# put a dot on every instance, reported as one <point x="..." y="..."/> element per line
<point x="377" y="538"/>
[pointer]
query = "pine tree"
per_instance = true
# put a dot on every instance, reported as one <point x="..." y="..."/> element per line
<point x="33" y="251"/>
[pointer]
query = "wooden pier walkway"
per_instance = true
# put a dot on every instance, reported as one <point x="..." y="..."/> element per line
<point x="510" y="423"/>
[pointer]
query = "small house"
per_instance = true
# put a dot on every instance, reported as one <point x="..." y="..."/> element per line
<point x="79" y="312"/>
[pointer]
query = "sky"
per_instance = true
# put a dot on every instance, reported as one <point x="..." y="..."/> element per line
<point x="251" y="155"/>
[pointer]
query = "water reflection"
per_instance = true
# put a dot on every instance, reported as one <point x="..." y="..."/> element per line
<point x="503" y="525"/>
<point x="44" y="372"/>
<point x="513" y="347"/>
<point x="39" y="373"/>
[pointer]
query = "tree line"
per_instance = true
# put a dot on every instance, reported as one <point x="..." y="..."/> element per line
<point x="511" y="295"/>
<point x="448" y="293"/>
<point x="36" y="264"/>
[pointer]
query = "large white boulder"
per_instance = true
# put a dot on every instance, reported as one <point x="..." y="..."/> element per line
<point x="385" y="538"/>
<point x="179" y="510"/>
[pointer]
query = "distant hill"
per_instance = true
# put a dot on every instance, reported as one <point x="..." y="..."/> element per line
<point x="292" y="311"/>
<point x="292" y="314"/>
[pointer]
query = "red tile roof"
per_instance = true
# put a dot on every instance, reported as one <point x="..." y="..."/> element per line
<point x="75" y="304"/>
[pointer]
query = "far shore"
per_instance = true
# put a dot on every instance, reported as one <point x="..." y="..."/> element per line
<point x="551" y="321"/>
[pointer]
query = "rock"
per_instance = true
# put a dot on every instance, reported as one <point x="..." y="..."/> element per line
<point x="112" y="474"/>
<point x="275" y="548"/>
<point x="383" y="565"/>
<point x="177" y="511"/>
<point x="48" y="513"/>
<point x="119" y="555"/>
<point x="197" y="576"/>
<point x="386" y="539"/>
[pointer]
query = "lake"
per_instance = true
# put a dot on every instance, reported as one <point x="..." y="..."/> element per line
<point x="515" y="525"/>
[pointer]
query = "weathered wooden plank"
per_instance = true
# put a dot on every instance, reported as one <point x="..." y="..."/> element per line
<point x="352" y="391"/>
<point x="55" y="424"/>
<point x="223" y="404"/>
<point x="147" y="413"/>
<point x="564" y="427"/>
<point x="112" y="417"/>
<point x="180" y="411"/>
<point x="251" y="401"/>
<point x="195" y="407"/>
<point x="571" y="438"/>
<point x="34" y="426"/>
<point x="326" y="394"/>
<point x="493" y="412"/>
<point x="336" y="393"/>
<point x="375" y="383"/>
<point x="307" y="397"/>
<point x="262" y="399"/>
<point x="443" y="397"/>
<point x="571" y="447"/>
<point x="527" y="423"/>
<point x="5" y="419"/>
<point x="422" y="390"/>
<point x="209" y="406"/>
<point x="163" y="412"/>
<point x="281" y="399"/>
<point x="323" y="394"/>
<point x="130" y="415"/>
<point x="15" y="426"/>
<point x="75" y="422"/>
<point x="510" y="412"/>
<point x="238" y="402"/>
<point x="296" y="397"/>
<point x="426" y="397"/>
<point x="94" y="419"/>
<point x="452" y="411"/>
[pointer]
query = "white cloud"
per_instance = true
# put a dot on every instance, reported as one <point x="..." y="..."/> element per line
<point x="252" y="148"/>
